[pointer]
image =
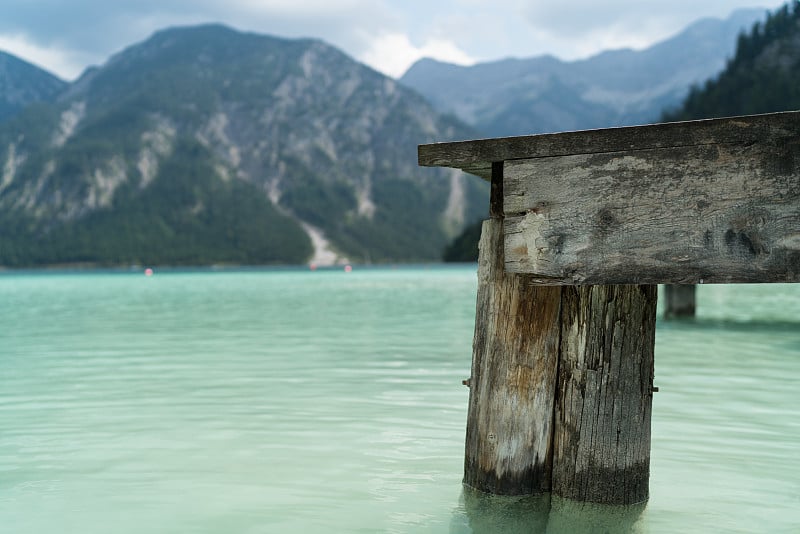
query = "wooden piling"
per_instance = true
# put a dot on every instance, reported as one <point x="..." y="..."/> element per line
<point x="604" y="394"/>
<point x="679" y="301"/>
<point x="561" y="386"/>
<point x="515" y="353"/>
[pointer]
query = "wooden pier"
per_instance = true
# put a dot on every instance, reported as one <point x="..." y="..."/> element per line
<point x="680" y="301"/>
<point x="582" y="227"/>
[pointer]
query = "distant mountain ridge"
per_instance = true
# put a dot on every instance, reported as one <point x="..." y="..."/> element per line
<point x="22" y="84"/>
<point x="207" y="145"/>
<point x="613" y="88"/>
<point x="760" y="76"/>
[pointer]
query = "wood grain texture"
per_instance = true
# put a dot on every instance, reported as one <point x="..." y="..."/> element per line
<point x="712" y="213"/>
<point x="601" y="449"/>
<point x="477" y="156"/>
<point x="515" y="351"/>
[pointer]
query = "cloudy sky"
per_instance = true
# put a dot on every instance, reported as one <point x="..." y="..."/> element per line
<point x="66" y="36"/>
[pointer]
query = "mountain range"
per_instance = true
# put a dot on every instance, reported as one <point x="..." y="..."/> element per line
<point x="762" y="76"/>
<point x="205" y="145"/>
<point x="613" y="88"/>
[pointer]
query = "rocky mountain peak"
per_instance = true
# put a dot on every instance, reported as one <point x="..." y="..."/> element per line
<point x="322" y="146"/>
<point x="22" y="84"/>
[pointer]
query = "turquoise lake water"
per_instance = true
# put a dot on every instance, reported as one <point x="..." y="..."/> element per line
<point x="298" y="401"/>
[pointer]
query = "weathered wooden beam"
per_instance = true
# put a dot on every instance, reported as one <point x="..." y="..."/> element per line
<point x="679" y="301"/>
<point x="515" y="351"/>
<point x="604" y="391"/>
<point x="477" y="156"/>
<point x="713" y="213"/>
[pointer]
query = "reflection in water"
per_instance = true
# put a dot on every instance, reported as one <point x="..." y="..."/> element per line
<point x="486" y="513"/>
<point x="574" y="517"/>
<point x="483" y="513"/>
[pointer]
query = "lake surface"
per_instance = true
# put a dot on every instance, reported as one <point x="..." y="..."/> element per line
<point x="298" y="401"/>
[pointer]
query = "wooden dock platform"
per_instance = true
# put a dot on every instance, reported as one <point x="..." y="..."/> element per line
<point x="582" y="226"/>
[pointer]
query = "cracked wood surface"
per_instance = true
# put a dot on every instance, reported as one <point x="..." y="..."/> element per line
<point x="604" y="390"/>
<point x="700" y="214"/>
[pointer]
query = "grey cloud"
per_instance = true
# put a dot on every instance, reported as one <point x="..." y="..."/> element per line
<point x="486" y="29"/>
<point x="101" y="27"/>
<point x="582" y="17"/>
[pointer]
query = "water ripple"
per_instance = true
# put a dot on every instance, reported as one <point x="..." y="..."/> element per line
<point x="292" y="401"/>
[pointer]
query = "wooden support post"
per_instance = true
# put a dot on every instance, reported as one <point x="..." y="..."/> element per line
<point x="515" y="353"/>
<point x="679" y="301"/>
<point x="604" y="394"/>
<point x="590" y="350"/>
<point x="587" y="349"/>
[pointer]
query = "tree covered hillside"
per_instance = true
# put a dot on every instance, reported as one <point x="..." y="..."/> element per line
<point x="762" y="77"/>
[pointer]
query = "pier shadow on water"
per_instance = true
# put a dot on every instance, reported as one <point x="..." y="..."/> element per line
<point x="482" y="513"/>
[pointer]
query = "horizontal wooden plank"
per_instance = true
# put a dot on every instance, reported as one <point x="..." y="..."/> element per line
<point x="476" y="156"/>
<point x="709" y="213"/>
